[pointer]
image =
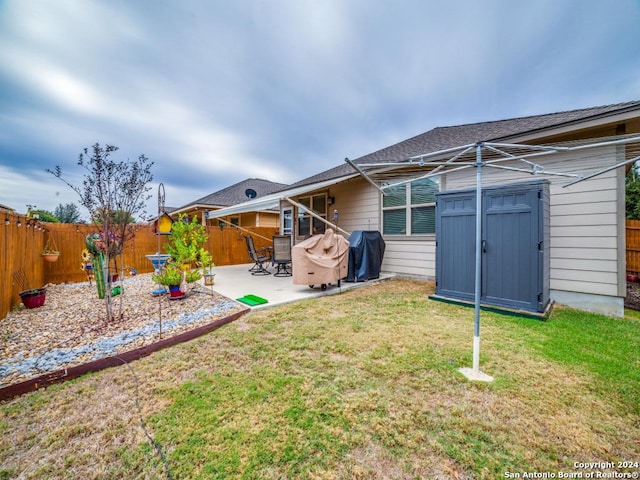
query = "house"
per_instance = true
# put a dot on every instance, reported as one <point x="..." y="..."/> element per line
<point x="240" y="192"/>
<point x="394" y="190"/>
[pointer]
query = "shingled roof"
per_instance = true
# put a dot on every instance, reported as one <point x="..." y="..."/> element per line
<point x="236" y="193"/>
<point x="442" y="138"/>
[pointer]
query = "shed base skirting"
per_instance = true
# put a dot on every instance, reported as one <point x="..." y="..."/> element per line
<point x="496" y="308"/>
<point x="604" y="304"/>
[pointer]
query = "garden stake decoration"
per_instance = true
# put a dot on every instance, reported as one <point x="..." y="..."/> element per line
<point x="158" y="260"/>
<point x="97" y="245"/>
<point x="87" y="264"/>
<point x="161" y="265"/>
<point x="20" y="279"/>
<point x="98" y="262"/>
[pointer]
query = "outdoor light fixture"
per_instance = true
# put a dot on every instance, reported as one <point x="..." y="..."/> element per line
<point x="28" y="223"/>
<point x="19" y="223"/>
<point x="331" y="200"/>
<point x="6" y="220"/>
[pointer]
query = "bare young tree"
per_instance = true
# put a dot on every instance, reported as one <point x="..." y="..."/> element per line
<point x="113" y="192"/>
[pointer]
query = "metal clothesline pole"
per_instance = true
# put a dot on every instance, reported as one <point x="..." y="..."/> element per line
<point x="478" y="285"/>
<point x="474" y="373"/>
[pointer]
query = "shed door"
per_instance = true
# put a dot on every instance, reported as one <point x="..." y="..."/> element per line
<point x="456" y="245"/>
<point x="510" y="241"/>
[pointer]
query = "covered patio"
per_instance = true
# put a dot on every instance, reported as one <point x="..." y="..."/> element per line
<point x="235" y="281"/>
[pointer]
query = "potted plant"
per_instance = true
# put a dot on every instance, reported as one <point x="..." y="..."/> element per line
<point x="33" y="297"/>
<point x="205" y="262"/>
<point x="173" y="276"/>
<point x="50" y="252"/>
<point x="186" y="242"/>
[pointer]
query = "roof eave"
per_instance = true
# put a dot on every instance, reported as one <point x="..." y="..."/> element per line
<point x="197" y="206"/>
<point x="266" y="202"/>
<point x="593" y="121"/>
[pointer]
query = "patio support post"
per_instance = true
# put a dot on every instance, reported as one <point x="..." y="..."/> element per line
<point x="474" y="373"/>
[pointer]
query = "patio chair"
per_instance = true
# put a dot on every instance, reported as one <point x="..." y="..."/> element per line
<point x="260" y="257"/>
<point x="282" y="255"/>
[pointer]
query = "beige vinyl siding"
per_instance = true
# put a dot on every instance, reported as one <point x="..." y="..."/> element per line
<point x="584" y="236"/>
<point x="409" y="257"/>
<point x="586" y="251"/>
<point x="358" y="205"/>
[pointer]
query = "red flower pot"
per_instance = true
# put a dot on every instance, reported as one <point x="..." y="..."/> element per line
<point x="175" y="293"/>
<point x="33" y="298"/>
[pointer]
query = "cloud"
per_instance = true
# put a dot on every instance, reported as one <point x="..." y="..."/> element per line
<point x="16" y="183"/>
<point x="215" y="91"/>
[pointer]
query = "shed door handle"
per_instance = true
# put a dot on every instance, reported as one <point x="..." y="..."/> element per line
<point x="484" y="246"/>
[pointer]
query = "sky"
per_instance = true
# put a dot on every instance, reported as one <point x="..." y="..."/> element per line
<point x="217" y="91"/>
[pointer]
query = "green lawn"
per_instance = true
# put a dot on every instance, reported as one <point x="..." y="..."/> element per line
<point x="363" y="385"/>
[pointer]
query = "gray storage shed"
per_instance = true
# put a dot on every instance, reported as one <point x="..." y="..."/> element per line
<point x="515" y="245"/>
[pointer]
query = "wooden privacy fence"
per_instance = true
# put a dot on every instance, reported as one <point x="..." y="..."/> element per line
<point x="633" y="246"/>
<point x="21" y="247"/>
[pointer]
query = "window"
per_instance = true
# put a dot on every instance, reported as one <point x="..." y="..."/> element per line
<point x="286" y="221"/>
<point x="410" y="209"/>
<point x="317" y="204"/>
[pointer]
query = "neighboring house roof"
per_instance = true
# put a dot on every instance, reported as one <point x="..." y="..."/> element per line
<point x="272" y="200"/>
<point x="235" y="194"/>
<point x="442" y="138"/>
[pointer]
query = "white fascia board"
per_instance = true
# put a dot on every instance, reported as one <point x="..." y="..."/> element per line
<point x="193" y="206"/>
<point x="272" y="200"/>
<point x="265" y="203"/>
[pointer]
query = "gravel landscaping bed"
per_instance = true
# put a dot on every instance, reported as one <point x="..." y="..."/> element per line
<point x="70" y="328"/>
<point x="632" y="300"/>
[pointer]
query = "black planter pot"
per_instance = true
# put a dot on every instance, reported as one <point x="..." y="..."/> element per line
<point x="34" y="297"/>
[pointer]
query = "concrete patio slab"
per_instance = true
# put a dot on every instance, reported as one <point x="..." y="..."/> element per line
<point x="235" y="281"/>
